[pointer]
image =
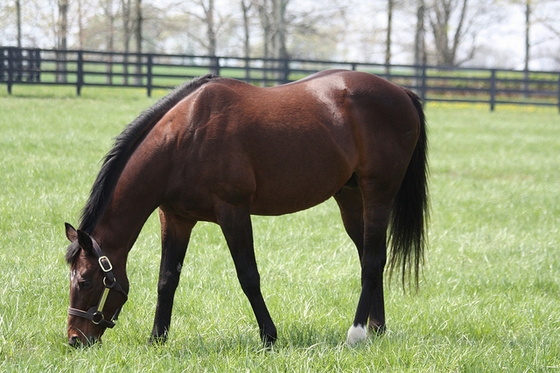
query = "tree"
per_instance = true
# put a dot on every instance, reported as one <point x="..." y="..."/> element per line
<point x="419" y="37"/>
<point x="62" y="40"/>
<point x="207" y="16"/>
<point x="280" y="26"/>
<point x="527" y="34"/>
<point x="138" y="36"/>
<point x="18" y="15"/>
<point x="388" y="42"/>
<point x="272" y="14"/>
<point x="307" y="32"/>
<point x="447" y="39"/>
<point x="62" y="29"/>
<point x="127" y="20"/>
<point x="245" y="9"/>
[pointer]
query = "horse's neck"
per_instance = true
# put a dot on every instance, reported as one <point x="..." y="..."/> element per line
<point x="132" y="203"/>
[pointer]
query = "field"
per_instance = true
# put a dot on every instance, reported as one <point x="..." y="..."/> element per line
<point x="489" y="297"/>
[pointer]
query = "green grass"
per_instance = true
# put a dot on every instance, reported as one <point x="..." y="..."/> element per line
<point x="489" y="298"/>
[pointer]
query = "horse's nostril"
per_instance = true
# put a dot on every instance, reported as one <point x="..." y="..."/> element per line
<point x="73" y="341"/>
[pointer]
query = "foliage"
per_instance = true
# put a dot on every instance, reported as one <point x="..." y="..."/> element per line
<point x="487" y="33"/>
<point x="489" y="297"/>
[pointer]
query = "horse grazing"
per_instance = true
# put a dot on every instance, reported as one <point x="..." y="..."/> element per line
<point x="219" y="150"/>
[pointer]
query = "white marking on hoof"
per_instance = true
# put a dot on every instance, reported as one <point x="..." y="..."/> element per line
<point x="356" y="334"/>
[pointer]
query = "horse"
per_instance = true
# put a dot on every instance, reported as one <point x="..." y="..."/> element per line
<point x="220" y="150"/>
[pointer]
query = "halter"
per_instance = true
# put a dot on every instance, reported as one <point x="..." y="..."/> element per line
<point x="95" y="314"/>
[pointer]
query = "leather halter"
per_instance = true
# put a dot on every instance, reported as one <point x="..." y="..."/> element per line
<point x="95" y="314"/>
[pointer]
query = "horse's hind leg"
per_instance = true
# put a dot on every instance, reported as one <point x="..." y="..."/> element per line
<point x="377" y="203"/>
<point x="351" y="206"/>
<point x="235" y="223"/>
<point x="175" y="235"/>
<point x="352" y="210"/>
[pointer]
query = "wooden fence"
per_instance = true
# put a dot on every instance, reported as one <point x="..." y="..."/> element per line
<point x="151" y="71"/>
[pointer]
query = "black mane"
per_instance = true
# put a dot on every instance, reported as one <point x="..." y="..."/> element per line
<point x="125" y="144"/>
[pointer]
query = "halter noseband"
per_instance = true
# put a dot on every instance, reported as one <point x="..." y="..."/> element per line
<point x="95" y="314"/>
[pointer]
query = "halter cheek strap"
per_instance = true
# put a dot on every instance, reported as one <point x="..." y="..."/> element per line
<point x="95" y="314"/>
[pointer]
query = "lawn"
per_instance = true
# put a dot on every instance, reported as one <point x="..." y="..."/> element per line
<point x="489" y="297"/>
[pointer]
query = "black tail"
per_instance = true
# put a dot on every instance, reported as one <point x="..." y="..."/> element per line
<point x="407" y="232"/>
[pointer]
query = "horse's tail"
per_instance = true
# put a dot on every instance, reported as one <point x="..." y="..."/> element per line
<point x="407" y="232"/>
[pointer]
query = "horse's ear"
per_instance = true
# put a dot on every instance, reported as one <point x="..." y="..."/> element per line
<point x="71" y="233"/>
<point x="85" y="242"/>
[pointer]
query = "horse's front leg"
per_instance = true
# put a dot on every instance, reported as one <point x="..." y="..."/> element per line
<point x="175" y="235"/>
<point x="235" y="223"/>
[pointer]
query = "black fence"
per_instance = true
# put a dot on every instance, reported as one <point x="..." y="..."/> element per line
<point x="151" y="71"/>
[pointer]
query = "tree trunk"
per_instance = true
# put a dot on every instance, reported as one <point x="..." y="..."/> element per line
<point x="280" y="36"/>
<point x="440" y="22"/>
<point x="110" y="39"/>
<point x="420" y="49"/>
<point x="527" y="45"/>
<point x="18" y="14"/>
<point x="419" y="40"/>
<point x="266" y="24"/>
<point x="126" y="21"/>
<point x="61" y="42"/>
<point x="138" y="33"/>
<point x="390" y="5"/>
<point x="80" y="24"/>
<point x="246" y="41"/>
<point x="211" y="35"/>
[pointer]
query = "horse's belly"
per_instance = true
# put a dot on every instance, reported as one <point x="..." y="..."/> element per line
<point x="285" y="193"/>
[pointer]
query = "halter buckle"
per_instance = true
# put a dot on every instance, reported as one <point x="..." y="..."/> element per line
<point x="105" y="264"/>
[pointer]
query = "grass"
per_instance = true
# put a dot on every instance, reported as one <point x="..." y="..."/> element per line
<point x="489" y="298"/>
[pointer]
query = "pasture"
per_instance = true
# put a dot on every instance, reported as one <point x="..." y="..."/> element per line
<point x="489" y="296"/>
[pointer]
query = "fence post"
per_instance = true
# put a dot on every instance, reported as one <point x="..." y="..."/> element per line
<point x="61" y="66"/>
<point x="138" y="73"/>
<point x="149" y="75"/>
<point x="80" y="72"/>
<point x="11" y="66"/>
<point x="286" y="70"/>
<point x="35" y="65"/>
<point x="247" y="70"/>
<point x="492" y="89"/>
<point x="215" y="65"/>
<point x="424" y="84"/>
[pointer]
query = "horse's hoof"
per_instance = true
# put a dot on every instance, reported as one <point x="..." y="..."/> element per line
<point x="157" y="340"/>
<point x="356" y="334"/>
<point x="377" y="330"/>
<point x="268" y="341"/>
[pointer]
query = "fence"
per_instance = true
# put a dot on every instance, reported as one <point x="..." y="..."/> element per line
<point x="151" y="71"/>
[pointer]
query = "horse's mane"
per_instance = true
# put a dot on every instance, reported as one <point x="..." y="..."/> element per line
<point x="125" y="144"/>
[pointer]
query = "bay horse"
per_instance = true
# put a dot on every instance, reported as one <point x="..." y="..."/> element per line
<point x="220" y="150"/>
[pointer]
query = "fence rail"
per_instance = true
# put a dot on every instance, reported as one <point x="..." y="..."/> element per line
<point x="81" y="68"/>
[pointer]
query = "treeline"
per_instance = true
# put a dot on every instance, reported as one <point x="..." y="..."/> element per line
<point x="437" y="32"/>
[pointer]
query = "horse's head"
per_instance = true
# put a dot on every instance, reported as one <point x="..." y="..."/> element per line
<point x="96" y="297"/>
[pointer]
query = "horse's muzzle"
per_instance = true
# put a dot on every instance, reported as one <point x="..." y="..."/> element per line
<point x="76" y="342"/>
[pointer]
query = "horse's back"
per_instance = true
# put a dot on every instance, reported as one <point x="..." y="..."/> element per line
<point x="286" y="148"/>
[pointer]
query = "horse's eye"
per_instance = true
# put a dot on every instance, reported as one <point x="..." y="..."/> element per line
<point x="85" y="285"/>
